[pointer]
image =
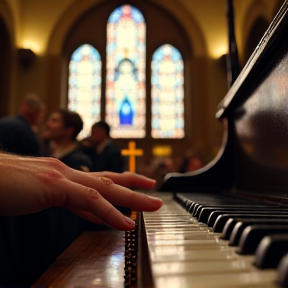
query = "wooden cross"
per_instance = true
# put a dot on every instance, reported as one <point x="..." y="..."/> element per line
<point x="132" y="152"/>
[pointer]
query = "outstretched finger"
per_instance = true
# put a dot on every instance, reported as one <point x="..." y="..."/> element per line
<point x="77" y="196"/>
<point x="128" y="179"/>
<point x="118" y="195"/>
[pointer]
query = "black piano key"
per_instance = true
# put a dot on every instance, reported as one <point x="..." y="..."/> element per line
<point x="215" y="214"/>
<point x="197" y="211"/>
<point x="240" y="226"/>
<point x="181" y="199"/>
<point x="190" y="206"/>
<point x="230" y="223"/>
<point x="270" y="251"/>
<point x="282" y="277"/>
<point x="202" y="199"/>
<point x="187" y="204"/>
<point x="204" y="213"/>
<point x="193" y="207"/>
<point x="252" y="235"/>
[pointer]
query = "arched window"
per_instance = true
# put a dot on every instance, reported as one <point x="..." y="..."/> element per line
<point x="125" y="73"/>
<point x="129" y="59"/>
<point x="84" y="91"/>
<point x="167" y="93"/>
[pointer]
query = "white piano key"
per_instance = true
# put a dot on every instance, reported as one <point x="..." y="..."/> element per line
<point x="220" y="280"/>
<point x="194" y="255"/>
<point x="185" y="253"/>
<point x="243" y="264"/>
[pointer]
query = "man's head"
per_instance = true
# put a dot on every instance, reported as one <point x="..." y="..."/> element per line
<point x="100" y="131"/>
<point x="63" y="125"/>
<point x="32" y="108"/>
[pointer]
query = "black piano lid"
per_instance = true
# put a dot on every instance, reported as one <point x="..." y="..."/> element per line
<point x="253" y="158"/>
<point x="263" y="49"/>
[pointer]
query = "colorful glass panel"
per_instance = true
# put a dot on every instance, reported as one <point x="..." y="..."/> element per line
<point x="125" y="79"/>
<point x="84" y="94"/>
<point x="167" y="93"/>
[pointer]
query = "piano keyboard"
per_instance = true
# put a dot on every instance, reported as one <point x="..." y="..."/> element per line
<point x="185" y="252"/>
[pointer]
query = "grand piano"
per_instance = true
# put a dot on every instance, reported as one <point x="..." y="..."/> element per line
<point x="225" y="225"/>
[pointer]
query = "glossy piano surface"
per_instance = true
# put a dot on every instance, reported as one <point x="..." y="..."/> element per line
<point x="94" y="259"/>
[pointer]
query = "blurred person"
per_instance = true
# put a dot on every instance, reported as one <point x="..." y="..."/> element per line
<point x="192" y="162"/>
<point x="61" y="130"/>
<point x="17" y="133"/>
<point x="158" y="168"/>
<point x="105" y="154"/>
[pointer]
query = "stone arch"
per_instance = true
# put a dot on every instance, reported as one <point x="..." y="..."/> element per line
<point x="79" y="8"/>
<point x="6" y="59"/>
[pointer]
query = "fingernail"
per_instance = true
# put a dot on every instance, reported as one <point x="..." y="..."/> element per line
<point x="128" y="221"/>
<point x="155" y="200"/>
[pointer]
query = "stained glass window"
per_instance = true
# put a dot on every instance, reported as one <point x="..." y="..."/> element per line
<point x="125" y="78"/>
<point x="84" y="91"/>
<point x="167" y="93"/>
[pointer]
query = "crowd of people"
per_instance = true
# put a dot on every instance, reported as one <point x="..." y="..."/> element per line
<point x="20" y="134"/>
<point x="159" y="167"/>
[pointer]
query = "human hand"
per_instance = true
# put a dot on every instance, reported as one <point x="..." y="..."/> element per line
<point x="29" y="185"/>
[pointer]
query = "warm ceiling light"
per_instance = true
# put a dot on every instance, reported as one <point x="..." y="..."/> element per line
<point x="27" y="44"/>
<point x="218" y="51"/>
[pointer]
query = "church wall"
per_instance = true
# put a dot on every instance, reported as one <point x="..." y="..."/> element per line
<point x="32" y="79"/>
<point x="206" y="32"/>
<point x="5" y="64"/>
<point x="8" y="80"/>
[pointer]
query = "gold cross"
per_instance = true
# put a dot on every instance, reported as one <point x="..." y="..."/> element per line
<point x="132" y="152"/>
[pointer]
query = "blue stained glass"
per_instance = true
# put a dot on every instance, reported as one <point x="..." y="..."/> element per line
<point x="167" y="92"/>
<point x="137" y="15"/>
<point x="115" y="15"/>
<point x="125" y="78"/>
<point x="175" y="55"/>
<point x="84" y="91"/>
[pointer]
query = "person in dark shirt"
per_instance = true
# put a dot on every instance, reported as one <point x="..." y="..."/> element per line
<point x="16" y="132"/>
<point x="105" y="154"/>
<point x="61" y="129"/>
